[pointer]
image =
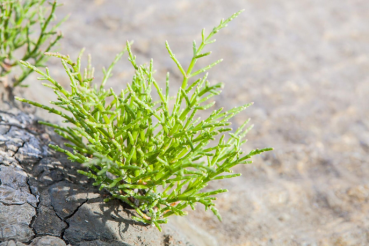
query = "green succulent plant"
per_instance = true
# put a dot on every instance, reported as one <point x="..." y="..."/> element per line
<point x="153" y="155"/>
<point x="24" y="28"/>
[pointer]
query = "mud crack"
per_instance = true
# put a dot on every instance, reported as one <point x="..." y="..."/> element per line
<point x="66" y="218"/>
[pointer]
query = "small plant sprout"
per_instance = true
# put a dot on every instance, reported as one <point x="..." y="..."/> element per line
<point x="24" y="29"/>
<point x="153" y="155"/>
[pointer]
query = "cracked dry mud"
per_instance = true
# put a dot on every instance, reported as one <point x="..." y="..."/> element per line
<point x="44" y="201"/>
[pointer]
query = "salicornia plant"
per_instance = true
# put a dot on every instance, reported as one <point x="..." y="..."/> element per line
<point x="25" y="26"/>
<point x="150" y="154"/>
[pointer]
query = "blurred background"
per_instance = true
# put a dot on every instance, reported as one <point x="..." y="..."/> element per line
<point x="304" y="64"/>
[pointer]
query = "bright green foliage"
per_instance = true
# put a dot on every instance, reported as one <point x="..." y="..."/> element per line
<point x="150" y="155"/>
<point x="24" y="26"/>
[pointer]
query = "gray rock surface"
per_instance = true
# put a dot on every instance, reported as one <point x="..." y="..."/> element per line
<point x="12" y="243"/>
<point x="44" y="201"/>
<point x="101" y="243"/>
<point x="39" y="241"/>
<point x="48" y="223"/>
<point x="86" y="225"/>
<point x="47" y="241"/>
<point x="15" y="221"/>
<point x="66" y="198"/>
<point x="14" y="188"/>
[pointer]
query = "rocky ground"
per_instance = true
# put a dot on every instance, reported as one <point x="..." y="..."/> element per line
<point x="304" y="63"/>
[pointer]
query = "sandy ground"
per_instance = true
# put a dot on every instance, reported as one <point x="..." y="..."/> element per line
<point x="305" y="65"/>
